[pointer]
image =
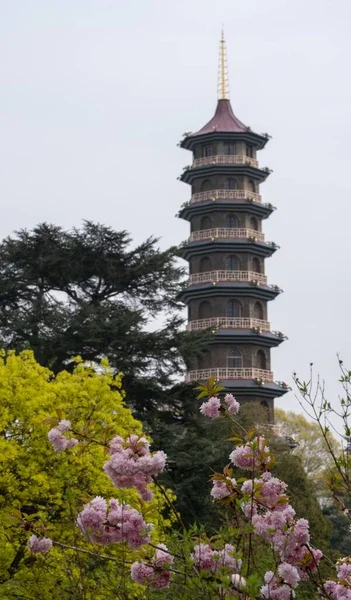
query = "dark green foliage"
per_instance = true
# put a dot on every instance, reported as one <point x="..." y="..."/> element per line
<point x="340" y="537"/>
<point x="87" y="292"/>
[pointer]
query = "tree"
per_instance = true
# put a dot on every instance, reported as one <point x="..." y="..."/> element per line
<point x="41" y="491"/>
<point x="87" y="292"/>
<point x="311" y="449"/>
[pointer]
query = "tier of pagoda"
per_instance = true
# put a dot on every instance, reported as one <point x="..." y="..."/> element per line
<point x="227" y="290"/>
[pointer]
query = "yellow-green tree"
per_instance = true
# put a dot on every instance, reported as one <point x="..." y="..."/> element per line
<point x="311" y="449"/>
<point x="42" y="491"/>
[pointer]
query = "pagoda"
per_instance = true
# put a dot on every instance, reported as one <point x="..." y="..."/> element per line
<point x="227" y="290"/>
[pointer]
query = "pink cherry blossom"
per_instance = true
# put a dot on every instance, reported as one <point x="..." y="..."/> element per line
<point x="252" y="455"/>
<point x="154" y="574"/>
<point x="206" y="558"/>
<point x="233" y="404"/>
<point x="132" y="465"/>
<point x="115" y="523"/>
<point x="211" y="407"/>
<point x="222" y="489"/>
<point x="38" y="546"/>
<point x="59" y="441"/>
<point x="289" y="574"/>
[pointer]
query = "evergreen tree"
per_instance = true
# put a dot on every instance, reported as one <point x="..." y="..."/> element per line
<point x="88" y="292"/>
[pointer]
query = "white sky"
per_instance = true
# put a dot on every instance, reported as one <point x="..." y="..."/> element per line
<point x="95" y="95"/>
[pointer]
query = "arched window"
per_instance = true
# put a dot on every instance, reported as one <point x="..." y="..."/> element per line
<point x="206" y="185"/>
<point x="232" y="263"/>
<point x="205" y="360"/>
<point x="256" y="265"/>
<point x="205" y="264"/>
<point x="231" y="221"/>
<point x="233" y="309"/>
<point x="205" y="310"/>
<point x="230" y="184"/>
<point x="205" y="223"/>
<point x="229" y="149"/>
<point x="234" y="359"/>
<point x="207" y="151"/>
<point x="261" y="361"/>
<point x="254" y="224"/>
<point x="258" y="311"/>
<point x="251" y="185"/>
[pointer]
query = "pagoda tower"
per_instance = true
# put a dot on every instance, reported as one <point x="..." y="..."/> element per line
<point x="227" y="290"/>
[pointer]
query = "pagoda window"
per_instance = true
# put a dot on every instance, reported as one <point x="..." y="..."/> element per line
<point x="234" y="359"/>
<point x="261" y="361"/>
<point x="205" y="360"/>
<point x="205" y="264"/>
<point x="256" y="265"/>
<point x="205" y="310"/>
<point x="250" y="151"/>
<point x="229" y="149"/>
<point x="207" y="151"/>
<point x="254" y="223"/>
<point x="205" y="223"/>
<point x="258" y="311"/>
<point x="206" y="185"/>
<point x="230" y="184"/>
<point x="231" y="221"/>
<point x="232" y="263"/>
<point x="233" y="309"/>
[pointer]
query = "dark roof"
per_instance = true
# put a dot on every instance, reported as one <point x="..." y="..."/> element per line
<point x="224" y="120"/>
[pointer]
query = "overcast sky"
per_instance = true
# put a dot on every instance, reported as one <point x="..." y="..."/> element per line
<point x="95" y="95"/>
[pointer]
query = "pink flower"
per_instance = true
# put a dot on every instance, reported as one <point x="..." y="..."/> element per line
<point x="252" y="455"/>
<point x="289" y="574"/>
<point x="162" y="557"/>
<point x="59" y="441"/>
<point x="155" y="574"/>
<point x="233" y="404"/>
<point x="211" y="407"/>
<point x="206" y="558"/>
<point x="38" y="546"/>
<point x="116" y="523"/>
<point x="273" y="591"/>
<point x="222" y="489"/>
<point x="64" y="426"/>
<point x="132" y="465"/>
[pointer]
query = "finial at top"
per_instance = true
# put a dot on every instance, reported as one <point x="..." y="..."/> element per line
<point x="223" y="82"/>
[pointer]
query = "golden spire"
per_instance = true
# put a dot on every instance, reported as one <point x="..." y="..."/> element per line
<point x="223" y="82"/>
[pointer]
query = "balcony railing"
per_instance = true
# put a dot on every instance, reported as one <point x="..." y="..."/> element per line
<point x="228" y="323"/>
<point x="204" y="374"/>
<point x="224" y="232"/>
<point x="225" y="159"/>
<point x="215" y="276"/>
<point x="232" y="195"/>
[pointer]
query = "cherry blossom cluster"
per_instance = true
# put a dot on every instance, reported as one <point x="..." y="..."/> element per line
<point x="213" y="407"/>
<point x="154" y="574"/>
<point x="113" y="523"/>
<point x="255" y="454"/>
<point x="340" y="589"/>
<point x="279" y="586"/>
<point x="132" y="464"/>
<point x="223" y="488"/>
<point x="212" y="560"/>
<point x="274" y="519"/>
<point x="59" y="441"/>
<point x="39" y="546"/>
